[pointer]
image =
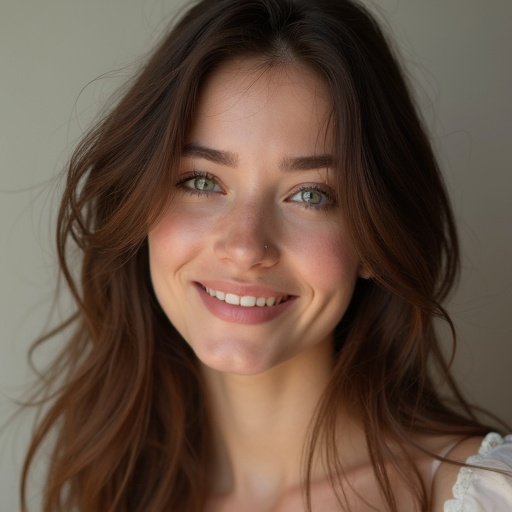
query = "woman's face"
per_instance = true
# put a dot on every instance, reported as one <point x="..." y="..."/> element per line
<point x="251" y="262"/>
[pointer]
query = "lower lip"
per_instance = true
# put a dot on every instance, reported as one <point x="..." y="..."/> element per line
<point x="241" y="314"/>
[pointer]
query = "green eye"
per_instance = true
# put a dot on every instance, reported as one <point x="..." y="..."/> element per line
<point x="203" y="183"/>
<point x="199" y="184"/>
<point x="311" y="196"/>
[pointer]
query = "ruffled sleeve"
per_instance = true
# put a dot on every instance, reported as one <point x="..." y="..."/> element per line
<point x="478" y="490"/>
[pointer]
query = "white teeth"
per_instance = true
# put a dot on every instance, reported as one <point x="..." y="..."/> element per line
<point x="246" y="301"/>
<point x="231" y="298"/>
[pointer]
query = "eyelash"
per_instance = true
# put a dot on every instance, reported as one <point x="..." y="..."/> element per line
<point x="327" y="192"/>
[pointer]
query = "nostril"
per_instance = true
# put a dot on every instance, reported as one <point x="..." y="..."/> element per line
<point x="243" y="249"/>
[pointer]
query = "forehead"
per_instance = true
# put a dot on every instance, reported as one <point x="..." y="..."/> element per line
<point x="250" y="93"/>
<point x="250" y="76"/>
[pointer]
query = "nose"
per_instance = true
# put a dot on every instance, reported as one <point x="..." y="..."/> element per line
<point x="247" y="238"/>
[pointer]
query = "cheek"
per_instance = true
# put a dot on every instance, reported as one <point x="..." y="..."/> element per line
<point x="177" y="236"/>
<point x="327" y="255"/>
<point x="319" y="251"/>
<point x="172" y="242"/>
<point x="179" y="227"/>
<point x="176" y="240"/>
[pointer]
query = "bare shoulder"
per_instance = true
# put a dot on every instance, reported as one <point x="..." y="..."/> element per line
<point x="446" y="474"/>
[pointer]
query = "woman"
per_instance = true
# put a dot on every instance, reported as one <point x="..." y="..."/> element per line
<point x="265" y="244"/>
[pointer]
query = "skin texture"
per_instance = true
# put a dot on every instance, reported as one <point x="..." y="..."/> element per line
<point x="263" y="119"/>
<point x="265" y="372"/>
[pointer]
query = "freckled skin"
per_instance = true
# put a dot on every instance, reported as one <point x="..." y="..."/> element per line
<point x="265" y="379"/>
<point x="262" y="117"/>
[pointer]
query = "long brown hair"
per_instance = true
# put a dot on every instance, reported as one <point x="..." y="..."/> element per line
<point x="127" y="409"/>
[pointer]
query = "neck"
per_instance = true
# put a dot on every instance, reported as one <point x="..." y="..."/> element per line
<point x="261" y="422"/>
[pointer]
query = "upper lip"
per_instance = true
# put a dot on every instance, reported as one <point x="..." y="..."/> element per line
<point x="243" y="289"/>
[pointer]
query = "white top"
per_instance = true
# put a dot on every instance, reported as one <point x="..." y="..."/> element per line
<point x="478" y="490"/>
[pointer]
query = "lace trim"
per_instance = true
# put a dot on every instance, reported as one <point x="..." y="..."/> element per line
<point x="490" y="442"/>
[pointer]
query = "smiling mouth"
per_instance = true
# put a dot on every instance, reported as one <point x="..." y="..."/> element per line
<point x="247" y="301"/>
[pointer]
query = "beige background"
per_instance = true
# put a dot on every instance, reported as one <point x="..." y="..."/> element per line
<point x="459" y="56"/>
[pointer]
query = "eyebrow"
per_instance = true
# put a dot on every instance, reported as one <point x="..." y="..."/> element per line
<point x="306" y="163"/>
<point x="216" y="156"/>
<point x="300" y="163"/>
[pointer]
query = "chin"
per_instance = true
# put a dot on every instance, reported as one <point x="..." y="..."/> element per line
<point x="237" y="358"/>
